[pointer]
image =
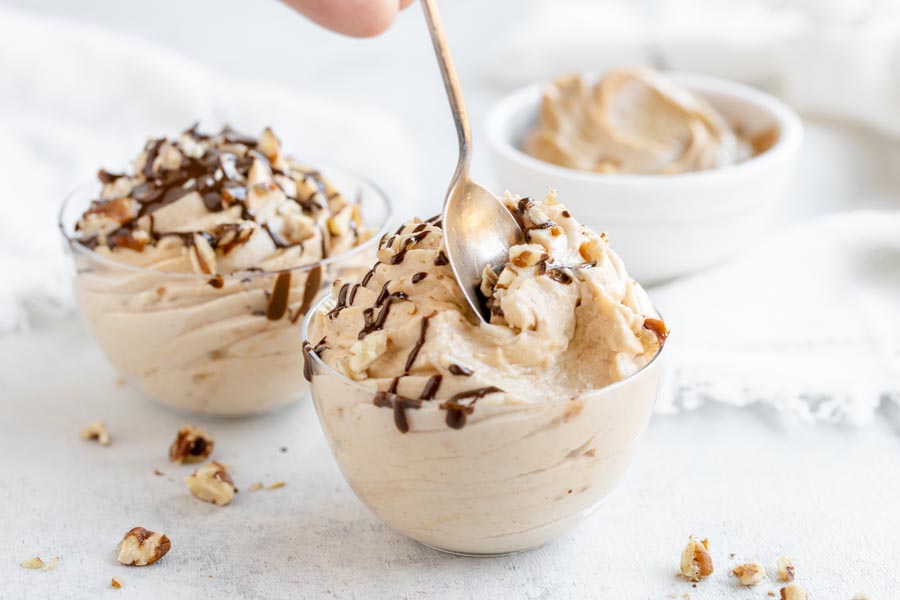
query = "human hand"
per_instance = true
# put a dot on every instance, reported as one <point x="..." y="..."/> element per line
<point x="357" y="18"/>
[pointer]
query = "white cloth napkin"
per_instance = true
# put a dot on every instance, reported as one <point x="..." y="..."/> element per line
<point x="839" y="58"/>
<point x="808" y="322"/>
<point x="76" y="97"/>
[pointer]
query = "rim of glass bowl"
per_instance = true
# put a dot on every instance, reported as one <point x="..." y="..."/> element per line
<point x="375" y="190"/>
<point x="329" y="301"/>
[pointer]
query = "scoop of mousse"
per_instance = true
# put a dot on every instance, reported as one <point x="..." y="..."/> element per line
<point x="632" y="121"/>
<point x="219" y="204"/>
<point x="565" y="319"/>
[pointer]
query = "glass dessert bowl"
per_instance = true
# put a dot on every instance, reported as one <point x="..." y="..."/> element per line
<point x="202" y="325"/>
<point x="452" y="432"/>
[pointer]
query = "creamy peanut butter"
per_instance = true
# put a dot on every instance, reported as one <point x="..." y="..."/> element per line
<point x="632" y="121"/>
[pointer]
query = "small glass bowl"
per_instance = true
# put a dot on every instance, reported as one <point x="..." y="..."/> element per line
<point x="515" y="477"/>
<point x="201" y="343"/>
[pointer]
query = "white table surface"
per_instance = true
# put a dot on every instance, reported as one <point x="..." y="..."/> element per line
<point x="756" y="485"/>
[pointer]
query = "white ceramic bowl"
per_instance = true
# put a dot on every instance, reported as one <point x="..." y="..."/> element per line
<point x="663" y="226"/>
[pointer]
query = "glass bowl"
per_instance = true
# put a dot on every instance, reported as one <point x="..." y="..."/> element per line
<point x="516" y="476"/>
<point x="210" y="344"/>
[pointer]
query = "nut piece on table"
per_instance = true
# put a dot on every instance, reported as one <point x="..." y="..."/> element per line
<point x="192" y="444"/>
<point x="212" y="483"/>
<point x="786" y="568"/>
<point x="860" y="596"/>
<point x="33" y="563"/>
<point x="696" y="563"/>
<point x="141" y="547"/>
<point x="749" y="573"/>
<point x="115" y="583"/>
<point x="793" y="592"/>
<point x="96" y="431"/>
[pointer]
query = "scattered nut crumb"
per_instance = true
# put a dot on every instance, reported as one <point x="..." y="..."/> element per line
<point x="793" y="592"/>
<point x="96" y="431"/>
<point x="115" y="583"/>
<point x="786" y="568"/>
<point x="192" y="444"/>
<point x="284" y="448"/>
<point x="54" y="562"/>
<point x="256" y="486"/>
<point x="859" y="596"/>
<point x="771" y="593"/>
<point x="212" y="483"/>
<point x="158" y="473"/>
<point x="33" y="563"/>
<point x="275" y="485"/>
<point x="696" y="563"/>
<point x="141" y="547"/>
<point x="121" y="381"/>
<point x="750" y="573"/>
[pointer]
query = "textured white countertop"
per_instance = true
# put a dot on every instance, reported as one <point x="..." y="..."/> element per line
<point x="754" y="485"/>
<point x="757" y="485"/>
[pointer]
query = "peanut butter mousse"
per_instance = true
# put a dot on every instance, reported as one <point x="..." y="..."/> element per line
<point x="500" y="436"/>
<point x="632" y="121"/>
<point x="197" y="277"/>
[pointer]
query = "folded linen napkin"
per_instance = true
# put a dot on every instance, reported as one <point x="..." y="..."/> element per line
<point x="82" y="97"/>
<point x="808" y="322"/>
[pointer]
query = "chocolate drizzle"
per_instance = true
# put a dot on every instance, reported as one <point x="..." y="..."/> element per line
<point x="310" y="290"/>
<point x="417" y="236"/>
<point x="457" y="412"/>
<point x="278" y="301"/>
<point x="418" y="346"/>
<point x="419" y="277"/>
<point x="376" y="324"/>
<point x="441" y="259"/>
<point x="391" y="399"/>
<point x="460" y="370"/>
<point x="657" y="326"/>
<point x="307" y="359"/>
<point x="368" y="276"/>
<point x="341" y="303"/>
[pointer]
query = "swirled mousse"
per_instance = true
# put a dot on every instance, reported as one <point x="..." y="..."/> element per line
<point x="565" y="319"/>
<point x="633" y="121"/>
<point x="204" y="257"/>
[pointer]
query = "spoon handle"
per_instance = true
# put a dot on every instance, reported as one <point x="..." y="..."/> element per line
<point x="451" y="84"/>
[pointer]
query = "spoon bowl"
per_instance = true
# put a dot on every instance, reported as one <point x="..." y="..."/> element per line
<point x="478" y="232"/>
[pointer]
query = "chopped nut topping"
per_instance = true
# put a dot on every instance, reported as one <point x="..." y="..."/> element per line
<point x="366" y="351"/>
<point x="749" y="573"/>
<point x="141" y="547"/>
<point x="527" y="255"/>
<point x="786" y="568"/>
<point x="96" y="431"/>
<point x="696" y="563"/>
<point x="203" y="257"/>
<point x="115" y="583"/>
<point x="212" y="483"/>
<point x="793" y="592"/>
<point x="192" y="444"/>
<point x="33" y="563"/>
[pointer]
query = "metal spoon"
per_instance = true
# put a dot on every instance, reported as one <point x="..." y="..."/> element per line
<point x="478" y="228"/>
